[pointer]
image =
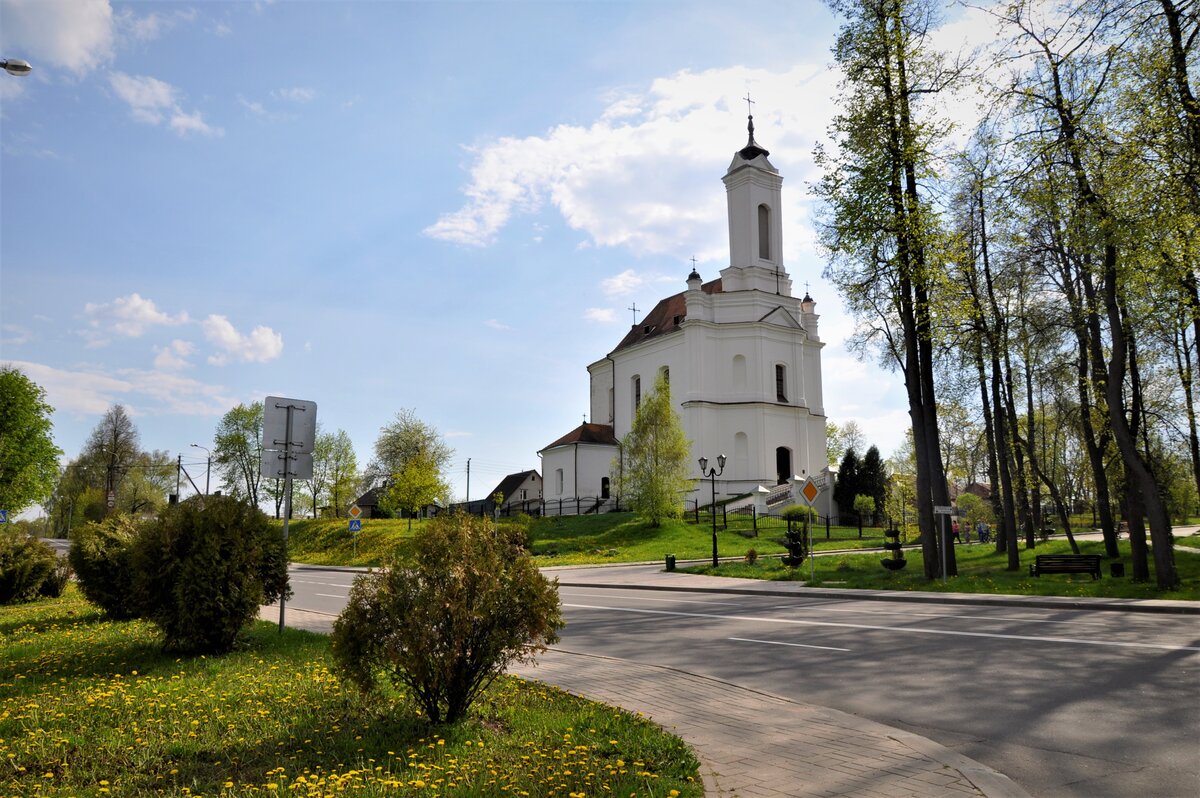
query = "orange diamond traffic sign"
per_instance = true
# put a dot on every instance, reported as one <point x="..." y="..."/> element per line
<point x="355" y="511"/>
<point x="810" y="491"/>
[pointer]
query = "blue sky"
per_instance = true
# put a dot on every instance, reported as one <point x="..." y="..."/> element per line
<point x="442" y="206"/>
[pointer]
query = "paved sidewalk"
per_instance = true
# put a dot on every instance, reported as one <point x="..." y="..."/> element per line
<point x="753" y="744"/>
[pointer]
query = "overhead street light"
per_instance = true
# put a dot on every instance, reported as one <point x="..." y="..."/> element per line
<point x="207" y="465"/>
<point x="15" y="66"/>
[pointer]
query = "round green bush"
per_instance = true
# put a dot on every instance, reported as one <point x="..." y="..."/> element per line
<point x="25" y="564"/>
<point x="203" y="569"/>
<point x="100" y="555"/>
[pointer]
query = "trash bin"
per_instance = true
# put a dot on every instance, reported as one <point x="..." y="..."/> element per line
<point x="1116" y="569"/>
<point x="670" y="562"/>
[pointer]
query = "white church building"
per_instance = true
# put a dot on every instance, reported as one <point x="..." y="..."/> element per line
<point x="742" y="356"/>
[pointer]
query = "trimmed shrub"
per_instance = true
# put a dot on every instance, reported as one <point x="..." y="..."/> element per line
<point x="203" y="569"/>
<point x="470" y="603"/>
<point x="751" y="556"/>
<point x="795" y="539"/>
<point x="100" y="554"/>
<point x="25" y="563"/>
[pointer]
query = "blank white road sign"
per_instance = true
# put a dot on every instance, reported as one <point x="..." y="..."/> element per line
<point x="304" y="423"/>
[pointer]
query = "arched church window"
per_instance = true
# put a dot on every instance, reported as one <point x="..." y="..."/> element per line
<point x="741" y="454"/>
<point x="780" y="382"/>
<point x="764" y="232"/>
<point x="637" y="392"/>
<point x="558" y="480"/>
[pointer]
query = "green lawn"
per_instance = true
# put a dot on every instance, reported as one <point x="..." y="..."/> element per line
<point x="90" y="707"/>
<point x="980" y="570"/>
<point x="568" y="540"/>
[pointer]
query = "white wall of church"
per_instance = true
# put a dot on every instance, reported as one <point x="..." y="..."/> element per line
<point x="575" y="470"/>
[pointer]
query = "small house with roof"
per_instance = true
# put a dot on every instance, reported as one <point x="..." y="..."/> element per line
<point x="741" y="354"/>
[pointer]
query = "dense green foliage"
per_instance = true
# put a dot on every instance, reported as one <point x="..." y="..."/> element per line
<point x="101" y="556"/>
<point x="447" y="622"/>
<point x="25" y="566"/>
<point x="92" y="707"/>
<point x="202" y="570"/>
<point x="655" y="475"/>
<point x="28" y="456"/>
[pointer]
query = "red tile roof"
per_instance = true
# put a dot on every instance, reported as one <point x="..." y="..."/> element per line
<point x="587" y="433"/>
<point x="666" y="317"/>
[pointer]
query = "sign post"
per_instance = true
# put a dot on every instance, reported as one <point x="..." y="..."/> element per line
<point x="944" y="528"/>
<point x="810" y="492"/>
<point x="289" y="430"/>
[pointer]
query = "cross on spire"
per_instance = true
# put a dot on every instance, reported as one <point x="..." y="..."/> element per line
<point x="634" y="308"/>
<point x="693" y="263"/>
<point x="749" y="102"/>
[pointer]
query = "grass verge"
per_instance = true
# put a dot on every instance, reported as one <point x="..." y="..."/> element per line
<point x="566" y="540"/>
<point x="980" y="570"/>
<point x="90" y="707"/>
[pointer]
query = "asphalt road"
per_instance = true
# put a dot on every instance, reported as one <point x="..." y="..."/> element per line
<point x="1065" y="702"/>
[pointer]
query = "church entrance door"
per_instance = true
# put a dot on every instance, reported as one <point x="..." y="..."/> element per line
<point x="783" y="464"/>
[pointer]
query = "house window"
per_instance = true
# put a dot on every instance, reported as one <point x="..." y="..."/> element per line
<point x="764" y="232"/>
<point x="637" y="392"/>
<point x="780" y="382"/>
<point x="558" y="480"/>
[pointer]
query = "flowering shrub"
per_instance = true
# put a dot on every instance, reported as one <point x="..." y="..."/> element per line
<point x="470" y="603"/>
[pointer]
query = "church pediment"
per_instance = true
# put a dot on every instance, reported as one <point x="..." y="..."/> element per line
<point x="780" y="315"/>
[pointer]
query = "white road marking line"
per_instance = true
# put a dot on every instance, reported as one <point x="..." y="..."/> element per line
<point x="323" y="584"/>
<point x="777" y="643"/>
<point x="331" y="595"/>
<point x="910" y="629"/>
<point x="647" y="598"/>
<point x="873" y="611"/>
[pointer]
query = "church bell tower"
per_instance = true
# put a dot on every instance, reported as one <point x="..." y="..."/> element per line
<point x="752" y="190"/>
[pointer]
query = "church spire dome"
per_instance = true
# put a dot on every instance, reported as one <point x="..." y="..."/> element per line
<point x="752" y="150"/>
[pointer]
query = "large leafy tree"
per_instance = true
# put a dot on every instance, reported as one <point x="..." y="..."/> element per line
<point x="418" y="482"/>
<point x="335" y="472"/>
<point x="879" y="222"/>
<point x="28" y="456"/>
<point x="403" y="439"/>
<point x="238" y="451"/>
<point x="655" y="474"/>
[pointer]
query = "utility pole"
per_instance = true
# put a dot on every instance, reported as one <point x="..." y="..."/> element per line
<point x="468" y="480"/>
<point x="178" y="470"/>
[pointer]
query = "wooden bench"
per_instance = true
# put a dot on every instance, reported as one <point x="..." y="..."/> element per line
<point x="1066" y="564"/>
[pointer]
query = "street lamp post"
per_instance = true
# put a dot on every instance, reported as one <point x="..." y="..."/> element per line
<point x="207" y="465"/>
<point x="712" y="475"/>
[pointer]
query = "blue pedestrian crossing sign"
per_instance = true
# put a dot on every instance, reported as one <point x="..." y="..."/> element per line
<point x="356" y="525"/>
<point x="3" y="516"/>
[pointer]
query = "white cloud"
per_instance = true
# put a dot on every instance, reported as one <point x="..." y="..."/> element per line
<point x="496" y="325"/>
<point x="629" y="281"/>
<point x="642" y="176"/>
<point x="262" y="344"/>
<point x="174" y="356"/>
<point x="14" y="335"/>
<point x="297" y="94"/>
<point x="73" y="34"/>
<point x="602" y="315"/>
<point x="87" y="392"/>
<point x="153" y="101"/>
<point x="130" y="316"/>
